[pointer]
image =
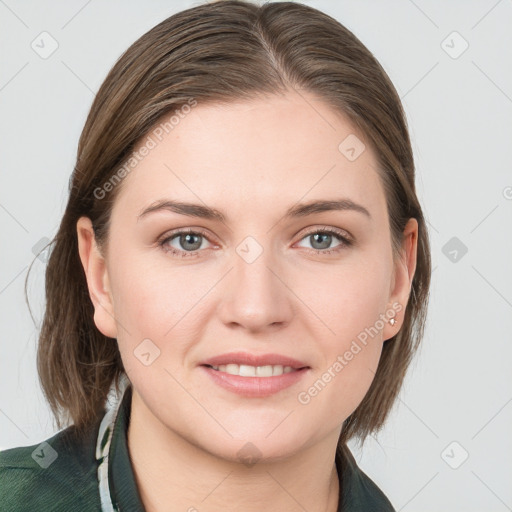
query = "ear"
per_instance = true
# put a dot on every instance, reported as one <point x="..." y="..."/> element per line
<point x="96" y="273"/>
<point x="403" y="274"/>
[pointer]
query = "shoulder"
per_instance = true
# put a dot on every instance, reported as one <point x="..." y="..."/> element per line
<point x="58" y="474"/>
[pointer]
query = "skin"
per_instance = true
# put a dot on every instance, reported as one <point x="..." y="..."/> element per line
<point x="252" y="160"/>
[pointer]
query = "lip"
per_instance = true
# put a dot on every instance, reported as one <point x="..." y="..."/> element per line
<point x="254" y="360"/>
<point x="254" y="387"/>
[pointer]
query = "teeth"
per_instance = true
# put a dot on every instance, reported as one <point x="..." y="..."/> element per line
<point x="244" y="370"/>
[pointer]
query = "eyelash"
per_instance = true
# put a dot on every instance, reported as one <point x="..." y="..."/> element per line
<point x="346" y="242"/>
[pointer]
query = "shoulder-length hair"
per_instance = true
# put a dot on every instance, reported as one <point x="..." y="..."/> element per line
<point x="220" y="52"/>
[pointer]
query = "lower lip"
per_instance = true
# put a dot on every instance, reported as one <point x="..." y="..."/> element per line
<point x="256" y="387"/>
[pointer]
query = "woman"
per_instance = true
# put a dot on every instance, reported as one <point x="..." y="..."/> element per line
<point x="240" y="278"/>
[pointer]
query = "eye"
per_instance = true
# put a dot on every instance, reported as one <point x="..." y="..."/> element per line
<point x="321" y="240"/>
<point x="189" y="242"/>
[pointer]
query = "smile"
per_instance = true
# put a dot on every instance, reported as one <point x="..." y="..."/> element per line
<point x="244" y="370"/>
<point x="245" y="381"/>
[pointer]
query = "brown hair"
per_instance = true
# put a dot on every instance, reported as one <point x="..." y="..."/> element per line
<point x="220" y="52"/>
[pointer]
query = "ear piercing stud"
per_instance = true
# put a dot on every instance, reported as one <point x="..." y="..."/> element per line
<point x="392" y="321"/>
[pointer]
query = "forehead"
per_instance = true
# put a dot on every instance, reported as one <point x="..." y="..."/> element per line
<point x="252" y="156"/>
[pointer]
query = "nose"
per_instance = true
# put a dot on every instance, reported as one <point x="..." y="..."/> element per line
<point x="255" y="294"/>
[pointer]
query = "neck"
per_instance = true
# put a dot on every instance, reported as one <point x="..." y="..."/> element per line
<point x="170" y="469"/>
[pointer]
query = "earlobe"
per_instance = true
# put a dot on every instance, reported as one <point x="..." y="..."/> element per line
<point x="404" y="270"/>
<point x="96" y="273"/>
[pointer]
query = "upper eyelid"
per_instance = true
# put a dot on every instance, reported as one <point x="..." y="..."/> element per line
<point x="337" y="231"/>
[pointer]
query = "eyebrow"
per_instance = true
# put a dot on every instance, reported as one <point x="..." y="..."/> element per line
<point x="297" y="210"/>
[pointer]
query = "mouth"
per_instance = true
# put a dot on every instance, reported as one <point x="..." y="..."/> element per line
<point x="245" y="370"/>
<point x="253" y="375"/>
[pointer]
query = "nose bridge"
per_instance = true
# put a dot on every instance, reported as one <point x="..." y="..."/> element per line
<point x="252" y="263"/>
<point x="256" y="297"/>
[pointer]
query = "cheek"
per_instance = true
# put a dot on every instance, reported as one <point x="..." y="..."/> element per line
<point x="158" y="303"/>
<point x="152" y="297"/>
<point x="347" y="299"/>
<point x="351" y="307"/>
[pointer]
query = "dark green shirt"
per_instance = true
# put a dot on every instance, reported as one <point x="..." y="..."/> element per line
<point x="61" y="474"/>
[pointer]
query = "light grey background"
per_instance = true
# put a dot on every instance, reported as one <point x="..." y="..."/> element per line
<point x="459" y="108"/>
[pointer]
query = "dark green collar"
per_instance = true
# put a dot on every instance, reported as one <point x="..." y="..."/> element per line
<point x="123" y="488"/>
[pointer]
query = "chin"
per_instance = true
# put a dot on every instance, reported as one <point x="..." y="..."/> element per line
<point x="255" y="448"/>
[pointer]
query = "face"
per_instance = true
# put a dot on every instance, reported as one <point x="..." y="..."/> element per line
<point x="250" y="277"/>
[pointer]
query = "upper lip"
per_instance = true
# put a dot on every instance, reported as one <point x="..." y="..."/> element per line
<point x="254" y="360"/>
